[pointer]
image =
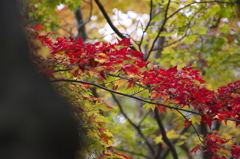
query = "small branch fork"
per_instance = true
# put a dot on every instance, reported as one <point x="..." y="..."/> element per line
<point x="165" y="20"/>
<point x="164" y="135"/>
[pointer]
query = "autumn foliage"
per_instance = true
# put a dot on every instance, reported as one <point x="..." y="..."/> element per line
<point x="117" y="67"/>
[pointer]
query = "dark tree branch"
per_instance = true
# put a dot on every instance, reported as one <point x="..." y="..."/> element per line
<point x="100" y="6"/>
<point x="164" y="135"/>
<point x="134" y="125"/>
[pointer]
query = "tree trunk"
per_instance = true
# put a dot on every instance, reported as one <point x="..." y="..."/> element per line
<point x="35" y="122"/>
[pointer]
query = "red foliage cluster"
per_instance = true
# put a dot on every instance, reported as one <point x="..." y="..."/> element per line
<point x="101" y="56"/>
<point x="216" y="144"/>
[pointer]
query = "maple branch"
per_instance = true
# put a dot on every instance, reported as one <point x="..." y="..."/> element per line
<point x="159" y="32"/>
<point x="123" y="94"/>
<point x="134" y="97"/>
<point x="134" y="125"/>
<point x="164" y="135"/>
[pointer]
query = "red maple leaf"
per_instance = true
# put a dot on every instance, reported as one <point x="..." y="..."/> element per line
<point x="194" y="150"/>
<point x="161" y="109"/>
<point x="35" y="28"/>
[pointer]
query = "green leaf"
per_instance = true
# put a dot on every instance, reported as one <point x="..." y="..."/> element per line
<point x="147" y="106"/>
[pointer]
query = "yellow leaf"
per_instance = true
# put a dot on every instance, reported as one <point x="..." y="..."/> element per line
<point x="43" y="50"/>
<point x="171" y="134"/>
<point x="103" y="55"/>
<point x="108" y="134"/>
<point x="224" y="152"/>
<point x="91" y="134"/>
<point x="100" y="60"/>
<point x="180" y="143"/>
<point x="196" y="119"/>
<point x="158" y="139"/>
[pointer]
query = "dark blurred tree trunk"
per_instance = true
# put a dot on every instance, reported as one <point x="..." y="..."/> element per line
<point x="35" y="123"/>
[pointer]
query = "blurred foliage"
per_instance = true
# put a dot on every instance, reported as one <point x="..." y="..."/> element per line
<point x="203" y="35"/>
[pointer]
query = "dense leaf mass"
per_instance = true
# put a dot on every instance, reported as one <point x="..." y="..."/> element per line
<point x="182" y="89"/>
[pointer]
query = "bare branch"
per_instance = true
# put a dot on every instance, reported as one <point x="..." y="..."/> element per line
<point x="100" y="6"/>
<point x="134" y="125"/>
<point x="148" y="24"/>
<point x="159" y="32"/>
<point x="197" y="3"/>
